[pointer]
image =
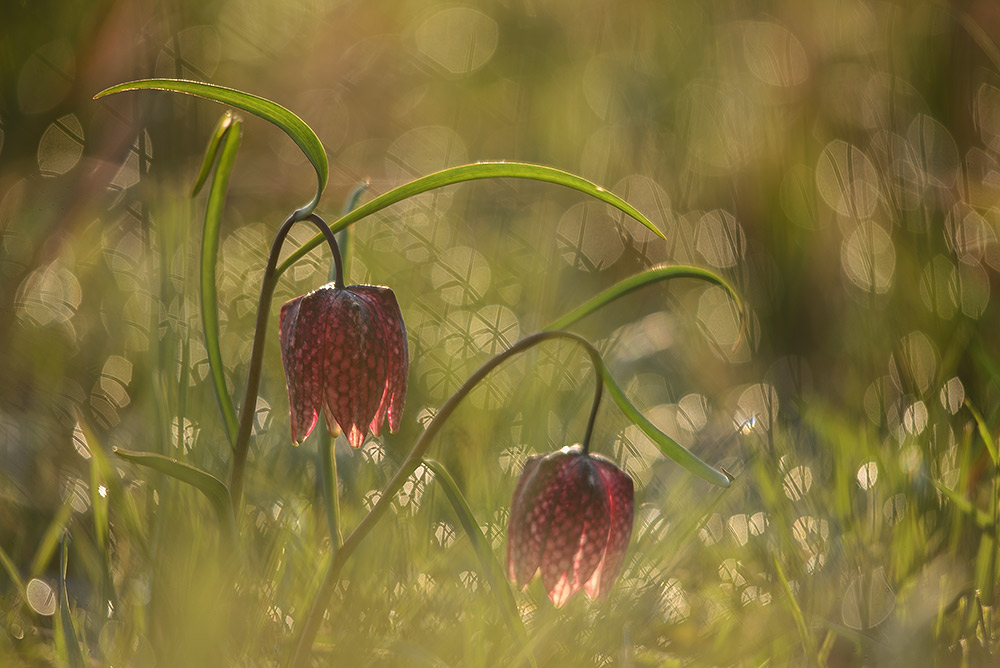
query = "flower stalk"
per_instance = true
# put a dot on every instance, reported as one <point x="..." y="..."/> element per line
<point x="249" y="408"/>
<point x="311" y="626"/>
<point x="326" y="448"/>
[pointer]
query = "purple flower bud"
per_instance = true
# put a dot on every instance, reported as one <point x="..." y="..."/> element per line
<point x="571" y="518"/>
<point x="345" y="351"/>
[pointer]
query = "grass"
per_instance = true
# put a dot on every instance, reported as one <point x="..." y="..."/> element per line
<point x="834" y="162"/>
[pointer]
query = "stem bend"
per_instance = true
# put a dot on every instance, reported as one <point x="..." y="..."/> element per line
<point x="413" y="459"/>
<point x="249" y="407"/>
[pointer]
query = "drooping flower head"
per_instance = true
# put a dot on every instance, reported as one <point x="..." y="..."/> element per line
<point x="571" y="518"/>
<point x="345" y="353"/>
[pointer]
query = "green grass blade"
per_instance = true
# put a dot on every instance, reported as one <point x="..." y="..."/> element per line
<point x="345" y="239"/>
<point x="984" y="431"/>
<point x="209" y="258"/>
<point x="99" y="508"/>
<point x="212" y="152"/>
<point x="473" y="172"/>
<point x="981" y="518"/>
<point x="491" y="569"/>
<point x="66" y="630"/>
<point x="214" y="489"/>
<point x="640" y="280"/>
<point x="15" y="577"/>
<point x="118" y="497"/>
<point x="808" y="642"/>
<point x="291" y="124"/>
<point x="50" y="539"/>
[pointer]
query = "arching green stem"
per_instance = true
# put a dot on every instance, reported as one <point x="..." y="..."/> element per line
<point x="413" y="459"/>
<point x="249" y="407"/>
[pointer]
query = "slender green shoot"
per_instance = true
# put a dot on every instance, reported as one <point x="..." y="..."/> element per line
<point x="227" y="147"/>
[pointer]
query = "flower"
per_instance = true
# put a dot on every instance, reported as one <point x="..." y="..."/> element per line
<point x="345" y="351"/>
<point x="571" y="517"/>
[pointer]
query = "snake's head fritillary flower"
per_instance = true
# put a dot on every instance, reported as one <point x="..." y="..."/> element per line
<point x="345" y="352"/>
<point x="571" y="518"/>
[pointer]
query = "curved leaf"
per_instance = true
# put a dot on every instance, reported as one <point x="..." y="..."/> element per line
<point x="214" y="489"/>
<point x="667" y="445"/>
<point x="648" y="277"/>
<point x="491" y="569"/>
<point x="291" y="124"/>
<point x="117" y="497"/>
<point x="221" y="128"/>
<point x="473" y="172"/>
<point x="209" y="257"/>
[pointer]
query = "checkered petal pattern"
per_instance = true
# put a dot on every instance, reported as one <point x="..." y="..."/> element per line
<point x="571" y="519"/>
<point x="345" y="353"/>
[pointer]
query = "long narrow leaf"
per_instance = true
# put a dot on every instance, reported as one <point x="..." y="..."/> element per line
<point x="66" y="628"/>
<point x="99" y="508"/>
<point x="984" y="431"/>
<point x="473" y="172"/>
<point x="642" y="279"/>
<point x="50" y="539"/>
<point x="212" y="152"/>
<point x="100" y="502"/>
<point x="345" y="238"/>
<point x="491" y="569"/>
<point x="667" y="445"/>
<point x="11" y="570"/>
<point x="981" y="518"/>
<point x="214" y="489"/>
<point x="118" y="496"/>
<point x="291" y="124"/>
<point x="230" y="144"/>
<point x="808" y="641"/>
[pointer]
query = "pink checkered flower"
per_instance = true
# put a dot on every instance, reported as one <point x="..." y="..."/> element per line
<point x="571" y="518"/>
<point x="345" y="352"/>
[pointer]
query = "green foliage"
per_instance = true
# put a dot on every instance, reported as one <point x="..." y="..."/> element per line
<point x="225" y="142"/>
<point x="461" y="174"/>
<point x="292" y="125"/>
<point x="214" y="489"/>
<point x="667" y="445"/>
<point x="490" y="567"/>
<point x="835" y="164"/>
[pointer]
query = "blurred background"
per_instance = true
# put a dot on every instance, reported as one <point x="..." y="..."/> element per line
<point x="838" y="162"/>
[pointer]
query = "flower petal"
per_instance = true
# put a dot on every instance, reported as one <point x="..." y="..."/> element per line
<point x="570" y="518"/>
<point x="620" y="494"/>
<point x="530" y="517"/>
<point x="515" y="520"/>
<point x="392" y="331"/>
<point x="355" y="363"/>
<point x="578" y="533"/>
<point x="303" y="367"/>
